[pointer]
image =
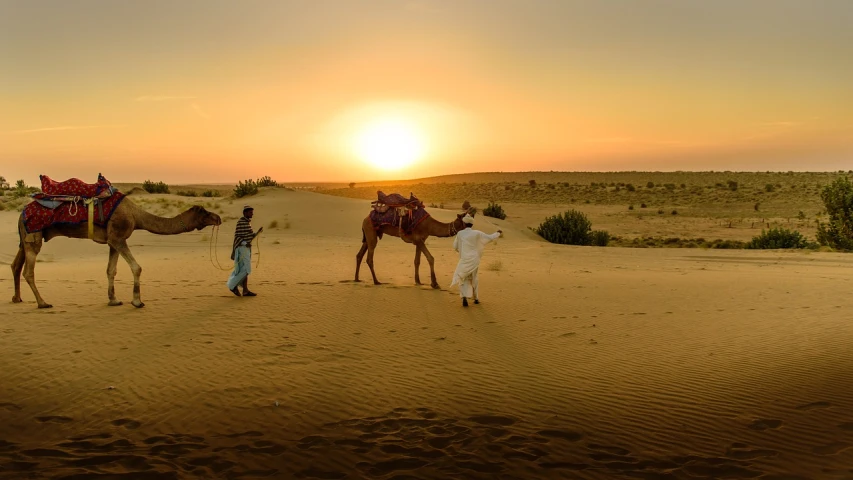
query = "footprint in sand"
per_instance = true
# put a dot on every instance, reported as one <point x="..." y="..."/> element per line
<point x="562" y="434"/>
<point x="814" y="406"/>
<point x="126" y="423"/>
<point x="54" y="419"/>
<point x="764" y="424"/>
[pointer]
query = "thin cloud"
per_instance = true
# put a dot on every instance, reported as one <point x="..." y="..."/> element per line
<point x="63" y="128"/>
<point x="162" y="98"/>
<point x="779" y="124"/>
<point x="200" y="111"/>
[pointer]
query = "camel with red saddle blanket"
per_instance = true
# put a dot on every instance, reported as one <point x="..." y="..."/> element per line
<point x="68" y="209"/>
<point x="407" y="219"/>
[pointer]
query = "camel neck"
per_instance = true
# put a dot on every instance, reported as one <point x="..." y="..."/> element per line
<point x="162" y="225"/>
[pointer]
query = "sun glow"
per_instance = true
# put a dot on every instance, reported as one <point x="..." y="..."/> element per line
<point x="390" y="144"/>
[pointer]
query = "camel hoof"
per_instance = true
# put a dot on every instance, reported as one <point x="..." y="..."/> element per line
<point x="46" y="305"/>
<point x="377" y="283"/>
<point x="435" y="286"/>
<point x="115" y="303"/>
<point x="137" y="304"/>
<point x="16" y="300"/>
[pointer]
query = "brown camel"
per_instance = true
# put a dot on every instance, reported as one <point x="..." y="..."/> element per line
<point x="428" y="227"/>
<point x="126" y="218"/>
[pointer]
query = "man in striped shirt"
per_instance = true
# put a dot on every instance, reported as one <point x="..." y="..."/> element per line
<point x="241" y="253"/>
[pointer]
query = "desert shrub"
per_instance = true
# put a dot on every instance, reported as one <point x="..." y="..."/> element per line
<point x="273" y="224"/>
<point x="675" y="212"/>
<point x="551" y="186"/>
<point x="669" y="186"/>
<point x="507" y="187"/>
<point x="569" y="228"/>
<point x="532" y="183"/>
<point x="152" y="187"/>
<point x="801" y="215"/>
<point x="642" y="205"/>
<point x="473" y="212"/>
<point x="210" y="193"/>
<point x="769" y="187"/>
<point x="778" y="238"/>
<point x="683" y="185"/>
<point x="660" y="211"/>
<point x="249" y="187"/>
<point x="838" y="199"/>
<point x="630" y="187"/>
<point x="650" y="185"/>
<point x="732" y="185"/>
<point x="187" y="193"/>
<point x="494" y="210"/>
<point x="466" y="205"/>
<point x="495" y="266"/>
<point x="21" y="189"/>
<point x="267" y="182"/>
<point x="757" y="206"/>
<point x="630" y="207"/>
<point x="351" y="184"/>
<point x="599" y="238"/>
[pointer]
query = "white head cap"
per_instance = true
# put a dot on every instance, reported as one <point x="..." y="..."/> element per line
<point x="468" y="219"/>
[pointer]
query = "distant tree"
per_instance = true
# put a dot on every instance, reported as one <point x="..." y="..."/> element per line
<point x="838" y="199"/>
<point x="351" y="184"/>
<point x="532" y="183"/>
<point x="466" y="205"/>
<point x="650" y="185"/>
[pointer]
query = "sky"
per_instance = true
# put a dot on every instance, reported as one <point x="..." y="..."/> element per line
<point x="215" y="91"/>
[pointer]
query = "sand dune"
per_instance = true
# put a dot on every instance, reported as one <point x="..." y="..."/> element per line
<point x="582" y="362"/>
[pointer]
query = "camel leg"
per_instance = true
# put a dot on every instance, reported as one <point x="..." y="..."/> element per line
<point x="371" y="247"/>
<point x="431" y="261"/>
<point x="418" y="263"/>
<point x="31" y="251"/>
<point x="124" y="250"/>
<point x="358" y="258"/>
<point x="17" y="267"/>
<point x="112" y="266"/>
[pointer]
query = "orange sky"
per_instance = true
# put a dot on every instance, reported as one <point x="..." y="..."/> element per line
<point x="214" y="91"/>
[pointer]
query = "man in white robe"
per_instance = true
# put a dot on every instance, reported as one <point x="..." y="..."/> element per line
<point x="470" y="244"/>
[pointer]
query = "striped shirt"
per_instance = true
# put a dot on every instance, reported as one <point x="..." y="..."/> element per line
<point x="243" y="233"/>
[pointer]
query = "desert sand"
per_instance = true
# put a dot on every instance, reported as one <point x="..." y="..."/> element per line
<point x="582" y="362"/>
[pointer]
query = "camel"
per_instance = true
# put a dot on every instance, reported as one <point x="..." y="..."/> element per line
<point x="126" y="218"/>
<point x="428" y="227"/>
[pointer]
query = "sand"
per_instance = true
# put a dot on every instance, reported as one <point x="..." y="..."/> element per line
<point x="581" y="362"/>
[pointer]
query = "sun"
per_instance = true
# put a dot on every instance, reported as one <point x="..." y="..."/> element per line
<point x="390" y="144"/>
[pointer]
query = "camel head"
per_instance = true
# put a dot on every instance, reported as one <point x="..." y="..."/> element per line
<point x="458" y="224"/>
<point x="202" y="218"/>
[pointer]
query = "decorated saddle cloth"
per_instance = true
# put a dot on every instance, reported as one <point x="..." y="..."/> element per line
<point x="64" y="203"/>
<point x="397" y="200"/>
<point x="402" y="218"/>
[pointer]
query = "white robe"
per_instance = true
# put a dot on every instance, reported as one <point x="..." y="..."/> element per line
<point x="470" y="244"/>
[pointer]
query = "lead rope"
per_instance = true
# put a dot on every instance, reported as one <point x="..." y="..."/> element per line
<point x="214" y="251"/>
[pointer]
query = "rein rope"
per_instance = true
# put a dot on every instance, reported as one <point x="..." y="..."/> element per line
<point x="214" y="253"/>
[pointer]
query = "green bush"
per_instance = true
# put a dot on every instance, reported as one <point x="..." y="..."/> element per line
<point x="152" y="187"/>
<point x="778" y="238"/>
<point x="769" y="187"/>
<point x="599" y="238"/>
<point x="211" y="193"/>
<point x="838" y="199"/>
<point x="630" y="187"/>
<point x="732" y="185"/>
<point x="266" y="182"/>
<point x="21" y="189"/>
<point x="568" y="228"/>
<point x="495" y="211"/>
<point x="243" y="189"/>
<point x="650" y="185"/>
<point x="187" y="193"/>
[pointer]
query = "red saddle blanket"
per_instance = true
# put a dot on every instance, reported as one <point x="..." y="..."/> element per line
<point x="75" y="187"/>
<point x="397" y="200"/>
<point x="408" y="221"/>
<point x="37" y="217"/>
